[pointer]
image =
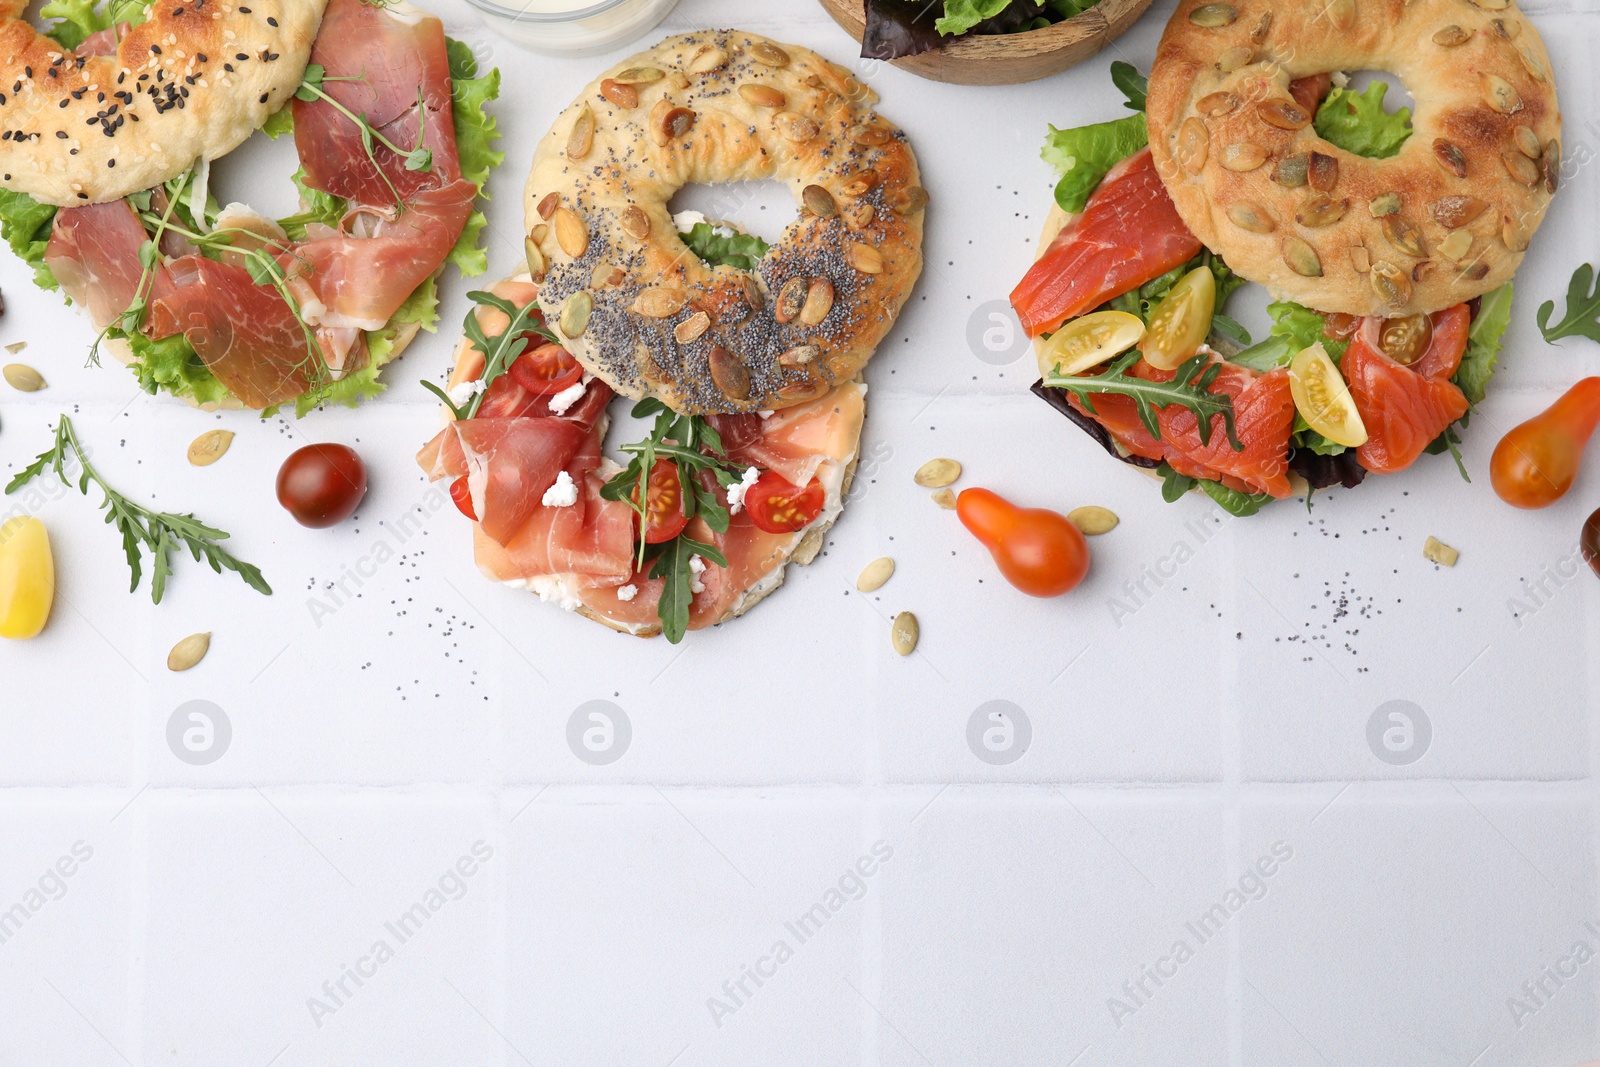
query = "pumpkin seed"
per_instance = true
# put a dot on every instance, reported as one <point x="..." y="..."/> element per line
<point x="675" y="123"/>
<point x="1493" y="5"/>
<point x="692" y="327"/>
<point x="188" y="652"/>
<point x="910" y="200"/>
<point x="16" y="346"/>
<point x="1250" y="216"/>
<point x="571" y="234"/>
<point x="1360" y="259"/>
<point x="1212" y="16"/>
<point x="640" y="76"/>
<point x="1513" y="234"/>
<point x="860" y="183"/>
<point x="819" y="201"/>
<point x="1453" y="212"/>
<point x="1292" y="171"/>
<point x="1476" y="273"/>
<point x="209" y="447"/>
<point x="1422" y="270"/>
<point x="819" y="301"/>
<point x="1217" y="104"/>
<point x="1391" y="283"/>
<point x="603" y="275"/>
<point x="904" y="633"/>
<point x="728" y="374"/>
<point x="866" y="259"/>
<point x="536" y="263"/>
<point x="1499" y="94"/>
<point x="1436" y="551"/>
<point x="658" y="302"/>
<point x="1263" y="27"/>
<point x="870" y="135"/>
<point x="1092" y="520"/>
<point x="1521" y="168"/>
<point x="547" y="206"/>
<point x="23" y="378"/>
<point x="1284" y="114"/>
<point x="1450" y="157"/>
<point x="1234" y="58"/>
<point x="1451" y="36"/>
<point x="1403" y="235"/>
<point x="619" y="93"/>
<point x="1527" y="142"/>
<point x="1240" y="158"/>
<point x="575" y="314"/>
<point x="1194" y="144"/>
<point x="1302" y="258"/>
<point x="796" y="128"/>
<point x="762" y="95"/>
<point x="768" y="54"/>
<point x="1456" y="246"/>
<point x="791" y="298"/>
<point x="1386" y="204"/>
<point x="1320" y="210"/>
<point x="708" y="59"/>
<point x="875" y="574"/>
<point x="1550" y="164"/>
<point x="799" y="356"/>
<point x="1509" y="30"/>
<point x="944" y="498"/>
<point x="937" y="473"/>
<point x="1342" y="13"/>
<point x="859" y="216"/>
<point x="1531" y="63"/>
<point x="580" y="140"/>
<point x="753" y="294"/>
<point x="1322" y="172"/>
<point x="635" y="223"/>
<point x="801" y="391"/>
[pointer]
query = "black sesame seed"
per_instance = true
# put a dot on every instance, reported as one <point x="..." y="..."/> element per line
<point x="156" y="49"/>
<point x="83" y="196"/>
<point x="201" y="56"/>
<point x="111" y="163"/>
<point x="64" y="103"/>
<point x="240" y="56"/>
<point x="263" y="98"/>
<point x="271" y="21"/>
<point x="61" y="134"/>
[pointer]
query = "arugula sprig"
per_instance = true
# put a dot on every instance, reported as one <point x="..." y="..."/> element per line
<point x="418" y="158"/>
<point x="143" y="530"/>
<point x="1189" y="388"/>
<point x="500" y="351"/>
<point x="1583" y="309"/>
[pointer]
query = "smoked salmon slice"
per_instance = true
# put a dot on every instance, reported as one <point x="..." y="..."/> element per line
<point x="1405" y="409"/>
<point x="1129" y="233"/>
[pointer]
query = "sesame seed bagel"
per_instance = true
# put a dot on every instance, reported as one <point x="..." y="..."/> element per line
<point x="191" y="82"/>
<point x="1446" y="219"/>
<point x="642" y="312"/>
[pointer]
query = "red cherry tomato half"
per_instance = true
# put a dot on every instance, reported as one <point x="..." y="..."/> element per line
<point x="1038" y="551"/>
<point x="463" y="498"/>
<point x="778" y="506"/>
<point x="321" y="485"/>
<point x="546" y="369"/>
<point x="663" y="506"/>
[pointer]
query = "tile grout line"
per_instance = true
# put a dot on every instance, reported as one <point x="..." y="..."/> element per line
<point x="1231" y="725"/>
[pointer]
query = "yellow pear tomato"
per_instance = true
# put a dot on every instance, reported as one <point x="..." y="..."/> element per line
<point x="1180" y="323"/>
<point x="1323" y="399"/>
<point x="27" y="578"/>
<point x="1089" y="341"/>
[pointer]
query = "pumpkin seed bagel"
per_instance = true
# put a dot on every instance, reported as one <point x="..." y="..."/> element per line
<point x="1446" y="219"/>
<point x="191" y="82"/>
<point x="642" y="312"/>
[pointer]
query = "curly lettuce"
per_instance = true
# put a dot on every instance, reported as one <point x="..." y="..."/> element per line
<point x="1083" y="155"/>
<point x="715" y="249"/>
<point x="25" y="226"/>
<point x="1483" y="344"/>
<point x="1357" y="122"/>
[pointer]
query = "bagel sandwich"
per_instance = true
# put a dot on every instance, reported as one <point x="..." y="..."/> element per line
<point x="744" y="359"/>
<point x="1386" y="239"/>
<point x="208" y="300"/>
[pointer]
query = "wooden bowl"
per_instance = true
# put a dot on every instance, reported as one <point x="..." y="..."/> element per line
<point x="1006" y="59"/>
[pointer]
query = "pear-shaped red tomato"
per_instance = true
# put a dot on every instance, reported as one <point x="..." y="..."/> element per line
<point x="1038" y="551"/>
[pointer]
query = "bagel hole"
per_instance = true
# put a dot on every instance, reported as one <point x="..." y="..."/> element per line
<point x="1396" y="96"/>
<point x="258" y="173"/>
<point x="761" y="209"/>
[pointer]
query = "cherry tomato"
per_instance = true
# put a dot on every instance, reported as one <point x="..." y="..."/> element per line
<point x="1089" y="341"/>
<point x="663" y="505"/>
<point x="1038" y="551"/>
<point x="1535" y="464"/>
<point x="1323" y="399"/>
<point x="778" y="506"/>
<point x="321" y="485"/>
<point x="1337" y="326"/>
<point x="462" y="496"/>
<point x="1589" y="542"/>
<point x="1180" y="323"/>
<point x="1405" y="339"/>
<point x="546" y="370"/>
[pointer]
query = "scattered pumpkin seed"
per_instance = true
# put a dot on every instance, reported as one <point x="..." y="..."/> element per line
<point x="691" y="328"/>
<point x="1438" y="552"/>
<point x="937" y="473"/>
<point x="1194" y="144"/>
<point x="1250" y="216"/>
<point x="1216" y="105"/>
<point x="1527" y="141"/>
<point x="1092" y="520"/>
<point x="622" y="94"/>
<point x="659" y="302"/>
<point x="23" y="378"/>
<point x="910" y="200"/>
<point x="210" y="447"/>
<point x="1234" y="58"/>
<point x="1550" y="163"/>
<point x="188" y="652"/>
<point x="796" y="128"/>
<point x="1391" y="283"/>
<point x="791" y="298"/>
<point x="1513" y="234"/>
<point x="1322" y="172"/>
<point x="1241" y="158"/>
<point x="866" y="259"/>
<point x="536" y="263"/>
<point x="875" y="574"/>
<point x="818" y="302"/>
<point x="16" y="346"/>
<point x="905" y="633"/>
<point x="547" y="206"/>
<point x="1404" y="235"/>
<point x="635" y="223"/>
<point x="1319" y="211"/>
<point x="1284" y="114"/>
<point x="944" y="498"/>
<point x="1456" y="246"/>
<point x="1521" y="167"/>
<point x="871" y="136"/>
<point x="798" y="356"/>
<point x="1500" y="94"/>
<point x="1386" y="204"/>
<point x="1292" y="171"/>
<point x="1453" y="212"/>
<point x="708" y="59"/>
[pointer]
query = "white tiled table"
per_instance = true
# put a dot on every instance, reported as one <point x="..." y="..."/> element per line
<point x="389" y="737"/>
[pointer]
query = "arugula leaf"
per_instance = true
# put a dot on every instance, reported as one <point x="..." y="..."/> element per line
<point x="1483" y="344"/>
<point x="741" y="250"/>
<point x="25" y="225"/>
<point x="1173" y="484"/>
<point x="1190" y="388"/>
<point x="1233" y="501"/>
<point x="1083" y="155"/>
<point x="673" y="565"/>
<point x="1312" y="441"/>
<point x="1229" y="329"/>
<point x="1134" y="86"/>
<point x="1357" y="122"/>
<point x="1583" y="309"/>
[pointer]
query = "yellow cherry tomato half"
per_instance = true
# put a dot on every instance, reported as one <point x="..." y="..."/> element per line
<point x="27" y="578"/>
<point x="1180" y="323"/>
<point x="1323" y="399"/>
<point x="1089" y="341"/>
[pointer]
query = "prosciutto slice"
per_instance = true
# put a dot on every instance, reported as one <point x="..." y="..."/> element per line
<point x="508" y="464"/>
<point x="94" y="255"/>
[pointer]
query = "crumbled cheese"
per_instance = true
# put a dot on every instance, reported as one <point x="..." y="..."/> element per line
<point x="566" y="398"/>
<point x="463" y="392"/>
<point x="766" y="413"/>
<point x="697" y="567"/>
<point x="1340" y="79"/>
<point x="627" y="592"/>
<point x="687" y="220"/>
<point x="737" y="491"/>
<point x="563" y="494"/>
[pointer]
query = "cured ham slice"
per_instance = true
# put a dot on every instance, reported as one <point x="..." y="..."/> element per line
<point x="508" y="464"/>
<point x="396" y="56"/>
<point x="94" y="255"/>
<point x="245" y="333"/>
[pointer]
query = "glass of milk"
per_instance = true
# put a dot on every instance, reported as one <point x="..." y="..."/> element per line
<point x="573" y="27"/>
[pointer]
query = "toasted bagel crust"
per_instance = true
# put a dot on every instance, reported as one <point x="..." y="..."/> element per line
<point x="192" y="82"/>
<point x="718" y="107"/>
<point x="1443" y="221"/>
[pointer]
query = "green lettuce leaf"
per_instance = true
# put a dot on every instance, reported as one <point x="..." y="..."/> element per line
<point x="171" y="364"/>
<point x="961" y="15"/>
<point x="316" y="206"/>
<point x="1483" y="344"/>
<point x="476" y="132"/>
<point x="1084" y="154"/>
<point x="279" y="123"/>
<point x="77" y="19"/>
<point x="1357" y="122"/>
<point x="742" y="250"/>
<point x="25" y="225"/>
<point x="1294" y="328"/>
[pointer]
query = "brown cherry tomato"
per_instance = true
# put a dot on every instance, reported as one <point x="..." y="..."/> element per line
<point x="1038" y="551"/>
<point x="321" y="485"/>
<point x="1589" y="542"/>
